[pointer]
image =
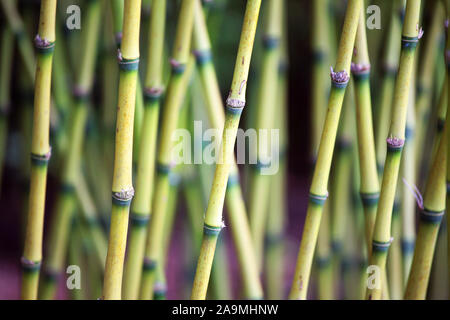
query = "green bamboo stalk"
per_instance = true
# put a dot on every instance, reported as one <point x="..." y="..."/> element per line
<point x="234" y="198"/>
<point x="92" y="220"/>
<point x="322" y="34"/>
<point x="408" y="169"/>
<point x="276" y="220"/>
<point x="369" y="185"/>
<point x="430" y="219"/>
<point x="142" y="203"/>
<point x="122" y="187"/>
<point x="394" y="262"/>
<point x="181" y="69"/>
<point x="384" y="101"/>
<point x="266" y="112"/>
<point x="340" y="199"/>
<point x="40" y="150"/>
<point x="425" y="79"/>
<point x="66" y="203"/>
<point x="441" y="113"/>
<point x="6" y="58"/>
<point x="318" y="193"/>
<point x="396" y="138"/>
<point x="235" y="104"/>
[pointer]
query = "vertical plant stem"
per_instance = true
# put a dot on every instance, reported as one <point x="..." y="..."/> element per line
<point x="181" y="69"/>
<point x="234" y="199"/>
<point x="235" y="104"/>
<point x="396" y="139"/>
<point x="430" y="220"/>
<point x="66" y="203"/>
<point x="425" y="81"/>
<point x="266" y="113"/>
<point x="40" y="151"/>
<point x="122" y="187"/>
<point x="318" y="191"/>
<point x="142" y="203"/>
<point x="369" y="185"/>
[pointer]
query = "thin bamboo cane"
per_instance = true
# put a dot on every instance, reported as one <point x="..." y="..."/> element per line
<point x="383" y="105"/>
<point x="66" y="203"/>
<point x="425" y="80"/>
<point x="142" y="202"/>
<point x="182" y="66"/>
<point x="266" y="113"/>
<point x="276" y="222"/>
<point x="408" y="169"/>
<point x="122" y="188"/>
<point x="396" y="139"/>
<point x="234" y="198"/>
<point x="430" y="220"/>
<point x="369" y="185"/>
<point x="235" y="104"/>
<point x="318" y="193"/>
<point x="40" y="151"/>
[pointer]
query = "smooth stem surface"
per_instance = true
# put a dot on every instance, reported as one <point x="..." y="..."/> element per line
<point x="62" y="218"/>
<point x="142" y="203"/>
<point x="318" y="191"/>
<point x="395" y="142"/>
<point x="235" y="104"/>
<point x="234" y="197"/>
<point x="265" y="115"/>
<point x="122" y="187"/>
<point x="182" y="66"/>
<point x="40" y="151"/>
<point x="369" y="186"/>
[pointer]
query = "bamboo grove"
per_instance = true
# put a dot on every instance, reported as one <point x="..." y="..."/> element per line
<point x="214" y="149"/>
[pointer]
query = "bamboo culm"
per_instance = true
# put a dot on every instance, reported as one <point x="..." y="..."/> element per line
<point x="122" y="187"/>
<point x="40" y="151"/>
<point x="395" y="142"/>
<point x="234" y="107"/>
<point x="318" y="192"/>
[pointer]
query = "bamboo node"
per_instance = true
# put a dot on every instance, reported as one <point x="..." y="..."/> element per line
<point x="408" y="246"/>
<point x="39" y="159"/>
<point x="369" y="199"/>
<point x="340" y="78"/>
<point x="123" y="197"/>
<point x="381" y="246"/>
<point x="152" y="94"/>
<point x="149" y="264"/>
<point x="202" y="56"/>
<point x="211" y="230"/>
<point x="318" y="199"/>
<point x="159" y="290"/>
<point x="43" y="45"/>
<point x="177" y="66"/>
<point x="118" y="37"/>
<point x="235" y="105"/>
<point x="127" y="64"/>
<point x="139" y="220"/>
<point x="395" y="144"/>
<point x="80" y="93"/>
<point x="30" y="265"/>
<point x="431" y="216"/>
<point x="360" y="70"/>
<point x="270" y="42"/>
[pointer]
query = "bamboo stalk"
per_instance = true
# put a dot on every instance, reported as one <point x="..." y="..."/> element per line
<point x="66" y="203"/>
<point x="369" y="185"/>
<point x="430" y="220"/>
<point x="425" y="81"/>
<point x="318" y="193"/>
<point x="235" y="104"/>
<point x="122" y="188"/>
<point x="234" y="198"/>
<point x="396" y="138"/>
<point x="266" y="113"/>
<point x="40" y="151"/>
<point x="181" y="70"/>
<point x="142" y="202"/>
